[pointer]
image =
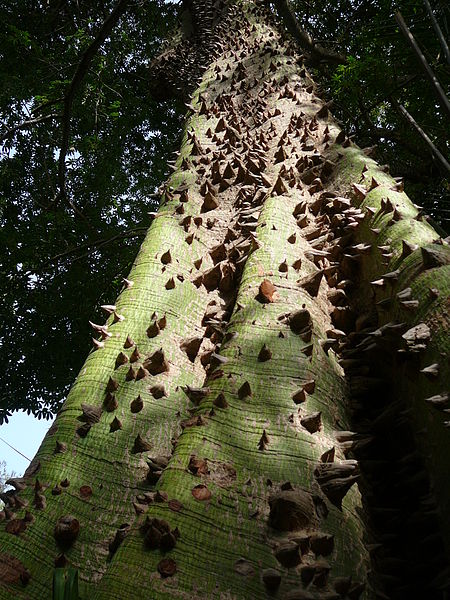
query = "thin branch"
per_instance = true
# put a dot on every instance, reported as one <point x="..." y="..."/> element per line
<point x="438" y="31"/>
<point x="439" y="92"/>
<point x="82" y="68"/>
<point x="95" y="244"/>
<point x="318" y="53"/>
<point x="365" y="111"/>
<point x="395" y="136"/>
<point x="440" y="158"/>
<point x="370" y="9"/>
<point x="25" y="125"/>
<point x="41" y="107"/>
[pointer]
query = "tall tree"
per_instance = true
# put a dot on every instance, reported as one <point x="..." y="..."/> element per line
<point x="117" y="154"/>
<point x="284" y="317"/>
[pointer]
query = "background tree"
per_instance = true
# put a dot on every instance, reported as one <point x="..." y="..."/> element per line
<point x="4" y="476"/>
<point x="115" y="161"/>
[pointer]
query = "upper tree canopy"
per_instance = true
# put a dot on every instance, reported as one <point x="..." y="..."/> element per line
<point x="66" y="253"/>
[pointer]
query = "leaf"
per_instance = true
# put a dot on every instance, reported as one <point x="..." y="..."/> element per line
<point x="65" y="584"/>
<point x="71" y="591"/>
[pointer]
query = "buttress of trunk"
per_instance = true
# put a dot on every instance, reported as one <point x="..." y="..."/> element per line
<point x="205" y="449"/>
<point x="396" y="361"/>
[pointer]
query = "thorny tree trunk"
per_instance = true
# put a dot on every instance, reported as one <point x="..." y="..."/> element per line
<point x="211" y="431"/>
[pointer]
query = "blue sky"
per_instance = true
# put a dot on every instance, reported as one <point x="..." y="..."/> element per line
<point x="25" y="433"/>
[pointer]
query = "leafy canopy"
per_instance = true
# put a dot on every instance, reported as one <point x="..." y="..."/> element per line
<point x="65" y="256"/>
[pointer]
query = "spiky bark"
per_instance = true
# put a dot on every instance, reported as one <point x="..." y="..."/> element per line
<point x="206" y="449"/>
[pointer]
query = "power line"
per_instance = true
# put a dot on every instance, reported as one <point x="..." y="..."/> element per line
<point x="15" y="450"/>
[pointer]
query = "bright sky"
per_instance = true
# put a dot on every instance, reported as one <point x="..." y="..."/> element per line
<point x="25" y="433"/>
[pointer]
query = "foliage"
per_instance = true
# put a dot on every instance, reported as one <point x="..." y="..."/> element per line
<point x="59" y="264"/>
<point x="65" y="584"/>
<point x="3" y="475"/>
<point x="381" y="67"/>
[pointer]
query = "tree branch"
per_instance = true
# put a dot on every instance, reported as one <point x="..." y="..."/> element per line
<point x="80" y="72"/>
<point x="438" y="31"/>
<point x="439" y="92"/>
<point x="395" y="136"/>
<point x="41" y="107"/>
<point x="318" y="53"/>
<point x="25" y="125"/>
<point x="440" y="158"/>
<point x="365" y="111"/>
<point x="94" y="244"/>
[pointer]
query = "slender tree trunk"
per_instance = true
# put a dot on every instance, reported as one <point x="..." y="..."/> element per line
<point x="206" y="449"/>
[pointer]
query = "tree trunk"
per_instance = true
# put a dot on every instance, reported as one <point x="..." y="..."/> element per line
<point x="206" y="448"/>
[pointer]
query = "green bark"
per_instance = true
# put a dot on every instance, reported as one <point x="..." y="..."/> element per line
<point x="255" y="425"/>
<point x="414" y="293"/>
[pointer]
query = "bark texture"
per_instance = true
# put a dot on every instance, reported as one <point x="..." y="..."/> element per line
<point x="207" y="448"/>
